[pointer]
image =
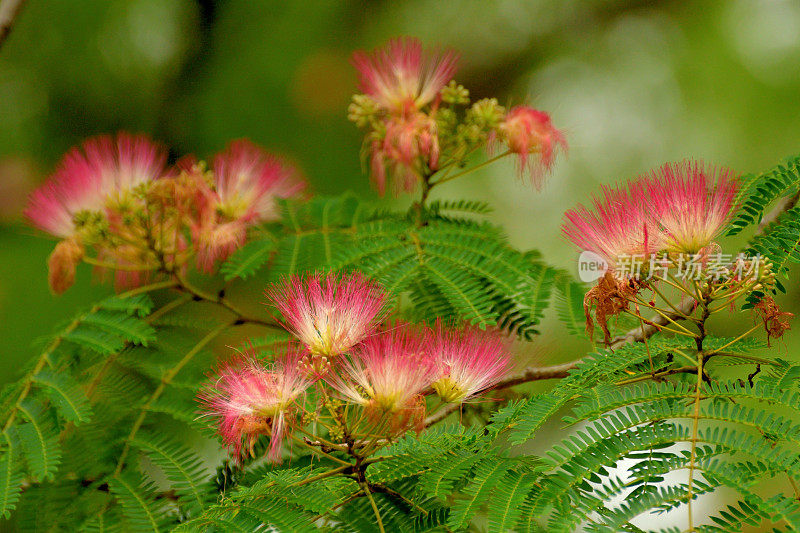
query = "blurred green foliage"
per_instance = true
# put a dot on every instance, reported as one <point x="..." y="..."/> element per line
<point x="633" y="84"/>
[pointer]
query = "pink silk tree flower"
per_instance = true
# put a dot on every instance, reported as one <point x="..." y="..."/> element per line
<point x="247" y="184"/>
<point x="529" y="132"/>
<point x="402" y="77"/>
<point x="217" y="242"/>
<point x="618" y="226"/>
<point x="410" y="144"/>
<point x="90" y="178"/>
<point x="468" y="361"/>
<point x="387" y="374"/>
<point x="248" y="399"/>
<point x="691" y="203"/>
<point x="329" y="313"/>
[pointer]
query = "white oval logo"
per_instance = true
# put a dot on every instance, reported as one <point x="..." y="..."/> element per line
<point x="591" y="266"/>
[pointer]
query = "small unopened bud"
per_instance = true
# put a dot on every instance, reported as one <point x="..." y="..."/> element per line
<point x="362" y="111"/>
<point x="62" y="264"/>
<point x="454" y="93"/>
<point x="487" y="114"/>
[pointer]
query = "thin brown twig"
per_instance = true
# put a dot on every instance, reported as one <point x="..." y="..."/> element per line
<point x="538" y="373"/>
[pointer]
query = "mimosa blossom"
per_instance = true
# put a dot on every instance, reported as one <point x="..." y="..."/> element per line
<point x="387" y="375"/>
<point x="402" y="76"/>
<point x="329" y="313"/>
<point x="247" y="184"/>
<point x="102" y="171"/>
<point x="468" y="361"/>
<point x="618" y="225"/>
<point x="530" y="132"/>
<point x="248" y="399"/>
<point x="409" y="145"/>
<point x="691" y="203"/>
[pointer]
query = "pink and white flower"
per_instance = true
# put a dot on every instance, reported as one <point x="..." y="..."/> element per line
<point x="247" y="184"/>
<point x="528" y="132"/>
<point x="619" y="224"/>
<point x="402" y="77"/>
<point x="103" y="170"/>
<point x="249" y="399"/>
<point x="248" y="181"/>
<point x="329" y="313"/>
<point x="468" y="361"/>
<point x="691" y="203"/>
<point x="387" y="372"/>
<point x="410" y="144"/>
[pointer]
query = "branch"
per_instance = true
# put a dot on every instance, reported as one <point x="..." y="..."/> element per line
<point x="536" y="373"/>
<point x="652" y="326"/>
<point x="220" y="299"/>
<point x="9" y="10"/>
<point x="441" y="414"/>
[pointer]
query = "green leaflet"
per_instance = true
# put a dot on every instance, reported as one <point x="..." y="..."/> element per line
<point x="11" y="475"/>
<point x="39" y="441"/>
<point x="780" y="243"/>
<point x="759" y="190"/>
<point x="66" y="394"/>
<point x="569" y="303"/>
<point x="183" y="468"/>
<point x="141" y="511"/>
<point x="248" y="259"/>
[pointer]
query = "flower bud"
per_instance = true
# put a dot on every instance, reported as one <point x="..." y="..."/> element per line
<point x="454" y="93"/>
<point x="362" y="111"/>
<point x="487" y="114"/>
<point x="62" y="264"/>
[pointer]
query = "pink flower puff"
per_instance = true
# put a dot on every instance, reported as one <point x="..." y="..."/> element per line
<point x="691" y="203"/>
<point x="329" y="313"/>
<point x="677" y="207"/>
<point x="619" y="225"/>
<point x="387" y="372"/>
<point x="248" y="399"/>
<point x="102" y="171"/>
<point x="468" y="361"/>
<point x="247" y="183"/>
<point x="402" y="77"/>
<point x="530" y="134"/>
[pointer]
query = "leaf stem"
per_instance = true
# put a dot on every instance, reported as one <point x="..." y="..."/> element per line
<point x="695" y="426"/>
<point x="44" y="358"/>
<point x="365" y="488"/>
<point x="185" y="286"/>
<point x="166" y="379"/>
<point x="319" y="477"/>
<point x="734" y="341"/>
<point x="471" y="169"/>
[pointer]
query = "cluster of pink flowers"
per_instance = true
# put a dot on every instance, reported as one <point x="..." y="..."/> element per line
<point x="403" y="86"/>
<point x="385" y="369"/>
<point x="118" y="196"/>
<point x="678" y="207"/>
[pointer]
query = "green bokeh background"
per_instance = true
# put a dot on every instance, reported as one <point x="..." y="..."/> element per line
<point x="632" y="84"/>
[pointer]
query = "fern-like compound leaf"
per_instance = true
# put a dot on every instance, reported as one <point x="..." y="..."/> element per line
<point x="66" y="395"/>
